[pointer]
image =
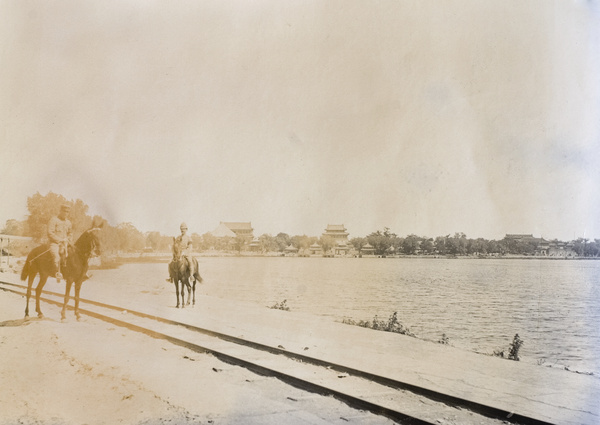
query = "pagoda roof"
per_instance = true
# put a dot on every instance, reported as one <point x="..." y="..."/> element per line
<point x="236" y="225"/>
<point x="335" y="228"/>
<point x="222" y="231"/>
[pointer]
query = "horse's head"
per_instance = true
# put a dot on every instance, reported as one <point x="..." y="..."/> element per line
<point x="89" y="241"/>
<point x="176" y="250"/>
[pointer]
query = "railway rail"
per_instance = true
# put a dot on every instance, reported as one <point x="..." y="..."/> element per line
<point x="399" y="401"/>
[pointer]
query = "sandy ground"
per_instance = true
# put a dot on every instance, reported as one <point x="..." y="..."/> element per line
<point x="91" y="372"/>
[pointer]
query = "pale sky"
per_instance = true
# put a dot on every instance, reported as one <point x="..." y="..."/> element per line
<point x="426" y="117"/>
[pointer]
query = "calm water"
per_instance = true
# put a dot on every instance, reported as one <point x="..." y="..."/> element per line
<point x="479" y="304"/>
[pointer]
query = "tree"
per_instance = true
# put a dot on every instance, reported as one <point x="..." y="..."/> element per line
<point x="327" y="242"/>
<point x="410" y="244"/>
<point x="14" y="227"/>
<point x="282" y="240"/>
<point x="267" y="243"/>
<point x="130" y="238"/>
<point x="427" y="246"/>
<point x="381" y="241"/>
<point x="239" y="242"/>
<point x="43" y="208"/>
<point x="358" y="243"/>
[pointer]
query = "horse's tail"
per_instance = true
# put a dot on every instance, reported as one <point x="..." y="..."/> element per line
<point x="196" y="273"/>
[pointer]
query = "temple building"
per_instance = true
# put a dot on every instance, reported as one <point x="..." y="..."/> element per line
<point x="340" y="237"/>
<point x="367" y="249"/>
<point x="233" y="229"/>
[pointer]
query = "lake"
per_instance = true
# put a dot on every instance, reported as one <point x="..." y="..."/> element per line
<point x="554" y="305"/>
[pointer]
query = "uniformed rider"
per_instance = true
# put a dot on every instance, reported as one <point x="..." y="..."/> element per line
<point x="184" y="241"/>
<point x="59" y="237"/>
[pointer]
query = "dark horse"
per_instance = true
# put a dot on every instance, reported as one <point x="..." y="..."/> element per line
<point x="39" y="261"/>
<point x="180" y="272"/>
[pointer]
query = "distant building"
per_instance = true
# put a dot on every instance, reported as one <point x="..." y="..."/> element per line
<point x="367" y="249"/>
<point x="545" y="248"/>
<point x="255" y="245"/>
<point x="315" y="249"/>
<point x="337" y="232"/>
<point x="340" y="237"/>
<point x="233" y="229"/>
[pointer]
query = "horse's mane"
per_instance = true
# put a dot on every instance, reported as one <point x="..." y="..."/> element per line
<point x="84" y="242"/>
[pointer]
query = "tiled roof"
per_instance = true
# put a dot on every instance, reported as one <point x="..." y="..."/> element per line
<point x="238" y="225"/>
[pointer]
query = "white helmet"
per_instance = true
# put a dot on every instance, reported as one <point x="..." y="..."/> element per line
<point x="183" y="226"/>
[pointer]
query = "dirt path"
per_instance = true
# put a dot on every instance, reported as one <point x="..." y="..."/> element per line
<point x="90" y="372"/>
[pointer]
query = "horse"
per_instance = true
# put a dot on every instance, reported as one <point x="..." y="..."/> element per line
<point x="180" y="271"/>
<point x="39" y="261"/>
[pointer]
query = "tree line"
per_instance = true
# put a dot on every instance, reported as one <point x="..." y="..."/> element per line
<point x="126" y="238"/>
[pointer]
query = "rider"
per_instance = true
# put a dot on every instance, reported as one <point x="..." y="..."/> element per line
<point x="185" y="245"/>
<point x="59" y="235"/>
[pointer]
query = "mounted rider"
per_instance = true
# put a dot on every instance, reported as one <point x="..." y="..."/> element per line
<point x="184" y="241"/>
<point x="59" y="237"/>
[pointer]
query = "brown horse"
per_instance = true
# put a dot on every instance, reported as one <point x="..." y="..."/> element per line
<point x="180" y="271"/>
<point x="39" y="261"/>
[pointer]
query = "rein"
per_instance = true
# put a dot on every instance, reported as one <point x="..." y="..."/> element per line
<point x="38" y="256"/>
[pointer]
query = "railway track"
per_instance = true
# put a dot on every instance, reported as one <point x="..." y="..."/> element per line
<point x="399" y="401"/>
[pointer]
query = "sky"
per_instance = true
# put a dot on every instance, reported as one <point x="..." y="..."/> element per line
<point x="426" y="117"/>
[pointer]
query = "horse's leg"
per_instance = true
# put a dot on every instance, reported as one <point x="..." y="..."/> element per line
<point x="177" y="291"/>
<point x="29" y="285"/>
<point x="182" y="294"/>
<point x="189" y="290"/>
<point x="194" y="290"/>
<point x="38" y="291"/>
<point x="66" y="301"/>
<point x="77" y="289"/>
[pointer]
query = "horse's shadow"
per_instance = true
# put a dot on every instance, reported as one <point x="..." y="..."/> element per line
<point x="22" y="322"/>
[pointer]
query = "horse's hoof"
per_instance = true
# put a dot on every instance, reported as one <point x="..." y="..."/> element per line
<point x="40" y="316"/>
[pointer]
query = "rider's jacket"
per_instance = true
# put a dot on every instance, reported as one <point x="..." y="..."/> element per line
<point x="59" y="230"/>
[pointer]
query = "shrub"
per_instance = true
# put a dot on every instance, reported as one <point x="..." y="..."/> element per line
<point x="513" y="349"/>
<point x="515" y="346"/>
<point x="281" y="306"/>
<point x="390" y="325"/>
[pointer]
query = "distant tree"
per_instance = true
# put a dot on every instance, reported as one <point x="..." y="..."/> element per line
<point x="441" y="244"/>
<point x="267" y="243"/>
<point x="208" y="241"/>
<point x="358" y="243"/>
<point x="14" y="227"/>
<point x="427" y="246"/>
<point x="477" y="246"/>
<point x="381" y="241"/>
<point x="159" y="242"/>
<point x="42" y="208"/>
<point x="239" y="242"/>
<point x="327" y="243"/>
<point x="410" y="244"/>
<point x="130" y="238"/>
<point x="282" y="240"/>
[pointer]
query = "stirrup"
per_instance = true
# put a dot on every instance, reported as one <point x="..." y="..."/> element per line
<point x="58" y="276"/>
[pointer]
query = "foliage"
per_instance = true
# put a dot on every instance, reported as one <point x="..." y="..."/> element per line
<point x="358" y="243"/>
<point x="327" y="243"/>
<point x="515" y="346"/>
<point x="281" y="306"/>
<point x="382" y="241"/>
<point x="43" y="208"/>
<point x="390" y="325"/>
<point x="513" y="349"/>
<point x="282" y="240"/>
<point x="14" y="228"/>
